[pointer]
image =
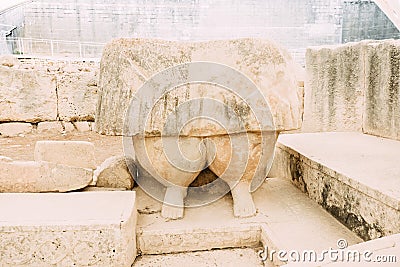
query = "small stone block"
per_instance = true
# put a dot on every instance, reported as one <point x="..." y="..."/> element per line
<point x="33" y="176"/>
<point x="14" y="129"/>
<point x="71" y="153"/>
<point x="82" y="126"/>
<point x="115" y="172"/>
<point x="50" y="127"/>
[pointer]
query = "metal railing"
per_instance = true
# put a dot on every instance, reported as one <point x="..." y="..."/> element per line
<point x="50" y="48"/>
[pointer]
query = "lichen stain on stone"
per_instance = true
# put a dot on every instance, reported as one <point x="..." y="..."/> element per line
<point x="394" y="80"/>
<point x="296" y="172"/>
<point x="354" y="222"/>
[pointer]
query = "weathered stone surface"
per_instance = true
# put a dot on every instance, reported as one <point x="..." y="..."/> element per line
<point x="71" y="153"/>
<point x="82" y="126"/>
<point x="14" y="129"/>
<point x="353" y="87"/>
<point x="27" y="95"/>
<point x="352" y="175"/>
<point x="128" y="63"/>
<point x="334" y="88"/>
<point x="9" y="61"/>
<point x="32" y="176"/>
<point x="50" y="127"/>
<point x="46" y="90"/>
<point x="68" y="126"/>
<point x="6" y="159"/>
<point x="77" y="93"/>
<point x="382" y="105"/>
<point x="302" y="224"/>
<point x="75" y="229"/>
<point x="91" y="188"/>
<point x="115" y="173"/>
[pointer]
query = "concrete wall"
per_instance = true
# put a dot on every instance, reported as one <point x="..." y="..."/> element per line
<point x="354" y="87"/>
<point x="365" y="20"/>
<point x="294" y="23"/>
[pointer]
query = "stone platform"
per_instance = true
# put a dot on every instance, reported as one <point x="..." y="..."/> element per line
<point x="68" y="229"/>
<point x="355" y="177"/>
<point x="286" y="219"/>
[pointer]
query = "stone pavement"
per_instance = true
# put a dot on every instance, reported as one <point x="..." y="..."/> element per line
<point x="356" y="177"/>
<point x="286" y="219"/>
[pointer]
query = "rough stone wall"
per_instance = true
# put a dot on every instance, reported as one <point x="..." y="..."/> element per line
<point x="382" y="90"/>
<point x="334" y="88"/>
<point x="354" y="87"/>
<point x="42" y="91"/>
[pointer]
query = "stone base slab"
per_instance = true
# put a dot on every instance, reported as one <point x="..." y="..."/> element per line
<point x="286" y="219"/>
<point x="71" y="229"/>
<point x="353" y="176"/>
<point x="35" y="177"/>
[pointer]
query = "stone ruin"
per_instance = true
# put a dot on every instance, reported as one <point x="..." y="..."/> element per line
<point x="349" y="88"/>
<point x="127" y="64"/>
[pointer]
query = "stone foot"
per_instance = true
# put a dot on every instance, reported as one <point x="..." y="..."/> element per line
<point x="243" y="205"/>
<point x="172" y="207"/>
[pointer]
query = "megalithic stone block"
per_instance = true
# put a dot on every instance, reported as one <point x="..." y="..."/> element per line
<point x="72" y="153"/>
<point x="72" y="229"/>
<point x="32" y="176"/>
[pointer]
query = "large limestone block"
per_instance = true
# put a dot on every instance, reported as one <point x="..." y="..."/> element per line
<point x="77" y="94"/>
<point x="32" y="176"/>
<point x="127" y="63"/>
<point x="74" y="229"/>
<point x="116" y="172"/>
<point x="71" y="153"/>
<point x="334" y="88"/>
<point x="27" y="95"/>
<point x="382" y="105"/>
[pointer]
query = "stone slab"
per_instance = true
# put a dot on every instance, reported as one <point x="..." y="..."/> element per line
<point x="222" y="257"/>
<point x="352" y="175"/>
<point x="334" y="88"/>
<point x="73" y="229"/>
<point x="50" y="127"/>
<point x="27" y="95"/>
<point x="82" y="126"/>
<point x="294" y="220"/>
<point x="382" y="73"/>
<point x="127" y="63"/>
<point x="77" y="92"/>
<point x="383" y="251"/>
<point x="13" y="129"/>
<point x="33" y="176"/>
<point x="72" y="153"/>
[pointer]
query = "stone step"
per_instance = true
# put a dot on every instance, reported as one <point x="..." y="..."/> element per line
<point x="68" y="229"/>
<point x="383" y="251"/>
<point x="356" y="177"/>
<point x="286" y="219"/>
